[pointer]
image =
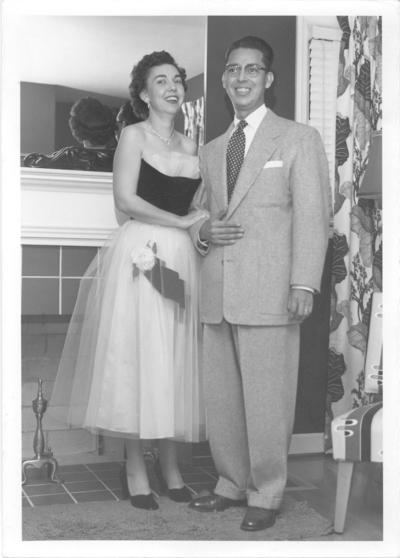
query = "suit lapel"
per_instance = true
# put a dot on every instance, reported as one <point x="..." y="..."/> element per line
<point x="261" y="149"/>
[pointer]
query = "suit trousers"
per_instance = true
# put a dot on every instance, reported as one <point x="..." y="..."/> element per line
<point x="250" y="375"/>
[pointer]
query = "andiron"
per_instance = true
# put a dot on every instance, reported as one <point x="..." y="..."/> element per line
<point x="42" y="458"/>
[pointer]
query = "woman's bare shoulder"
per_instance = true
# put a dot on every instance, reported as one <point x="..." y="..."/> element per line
<point x="187" y="144"/>
<point x="133" y="132"/>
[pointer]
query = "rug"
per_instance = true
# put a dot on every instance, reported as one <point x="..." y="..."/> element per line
<point x="120" y="521"/>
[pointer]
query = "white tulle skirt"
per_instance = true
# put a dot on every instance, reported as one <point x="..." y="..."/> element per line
<point x="131" y="361"/>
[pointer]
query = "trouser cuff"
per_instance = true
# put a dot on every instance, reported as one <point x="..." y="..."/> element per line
<point x="227" y="489"/>
<point x="266" y="501"/>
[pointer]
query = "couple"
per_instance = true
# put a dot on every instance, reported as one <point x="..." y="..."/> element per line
<point x="251" y="235"/>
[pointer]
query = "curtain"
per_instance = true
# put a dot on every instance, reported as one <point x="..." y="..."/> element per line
<point x="357" y="236"/>
<point x="193" y="112"/>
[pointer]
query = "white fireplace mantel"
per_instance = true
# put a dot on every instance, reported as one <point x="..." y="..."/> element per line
<point x="67" y="207"/>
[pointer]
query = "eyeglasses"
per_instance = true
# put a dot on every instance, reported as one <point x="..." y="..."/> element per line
<point x="250" y="70"/>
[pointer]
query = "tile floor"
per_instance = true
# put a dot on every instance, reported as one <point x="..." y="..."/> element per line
<point x="100" y="482"/>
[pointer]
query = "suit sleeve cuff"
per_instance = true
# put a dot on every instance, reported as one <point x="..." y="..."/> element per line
<point x="304" y="288"/>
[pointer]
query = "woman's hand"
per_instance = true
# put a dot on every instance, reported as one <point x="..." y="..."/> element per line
<point x="187" y="221"/>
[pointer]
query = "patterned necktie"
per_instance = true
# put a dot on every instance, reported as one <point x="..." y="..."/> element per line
<point x="235" y="156"/>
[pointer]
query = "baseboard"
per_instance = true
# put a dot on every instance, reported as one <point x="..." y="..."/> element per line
<point x="307" y="443"/>
<point x="86" y="458"/>
<point x="113" y="450"/>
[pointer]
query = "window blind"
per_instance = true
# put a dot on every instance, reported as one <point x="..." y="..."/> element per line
<point x="323" y="72"/>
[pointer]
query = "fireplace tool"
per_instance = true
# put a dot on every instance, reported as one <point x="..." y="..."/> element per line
<point x="42" y="458"/>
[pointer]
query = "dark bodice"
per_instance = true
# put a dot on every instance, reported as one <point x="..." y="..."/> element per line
<point x="171" y="193"/>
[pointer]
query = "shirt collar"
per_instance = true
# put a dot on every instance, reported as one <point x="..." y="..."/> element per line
<point x="254" y="118"/>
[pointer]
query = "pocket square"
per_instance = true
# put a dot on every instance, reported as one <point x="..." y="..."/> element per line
<point x="272" y="164"/>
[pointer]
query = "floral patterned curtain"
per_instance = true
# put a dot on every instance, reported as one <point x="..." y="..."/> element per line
<point x="357" y="239"/>
<point x="193" y="112"/>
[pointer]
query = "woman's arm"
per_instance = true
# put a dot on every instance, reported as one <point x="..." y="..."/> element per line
<point x="127" y="162"/>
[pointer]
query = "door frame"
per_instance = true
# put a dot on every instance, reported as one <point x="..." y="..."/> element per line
<point x="306" y="28"/>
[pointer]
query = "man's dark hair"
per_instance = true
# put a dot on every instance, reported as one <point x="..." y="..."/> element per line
<point x="257" y="44"/>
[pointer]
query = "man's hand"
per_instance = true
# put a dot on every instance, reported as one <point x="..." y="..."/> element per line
<point x="300" y="304"/>
<point x="222" y="233"/>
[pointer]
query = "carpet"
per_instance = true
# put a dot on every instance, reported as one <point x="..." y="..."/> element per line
<point x="120" y="521"/>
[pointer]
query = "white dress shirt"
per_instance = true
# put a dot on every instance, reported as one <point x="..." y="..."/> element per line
<point x="253" y="120"/>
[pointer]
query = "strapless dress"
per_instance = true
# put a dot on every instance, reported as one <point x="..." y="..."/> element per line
<point x="131" y="360"/>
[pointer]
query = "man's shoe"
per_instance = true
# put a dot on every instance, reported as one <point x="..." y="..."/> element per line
<point x="257" y="519"/>
<point x="214" y="502"/>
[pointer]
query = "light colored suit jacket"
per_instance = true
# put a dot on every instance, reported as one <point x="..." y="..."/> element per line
<point x="281" y="201"/>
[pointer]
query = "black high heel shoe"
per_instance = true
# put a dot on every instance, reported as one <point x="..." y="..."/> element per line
<point x="142" y="501"/>
<point x="175" y="494"/>
<point x="180" y="494"/>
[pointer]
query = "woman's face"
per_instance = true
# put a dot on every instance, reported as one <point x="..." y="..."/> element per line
<point x="164" y="89"/>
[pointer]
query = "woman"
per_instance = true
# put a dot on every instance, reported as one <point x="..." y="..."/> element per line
<point x="134" y="335"/>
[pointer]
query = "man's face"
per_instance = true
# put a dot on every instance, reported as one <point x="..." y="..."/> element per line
<point x="245" y="80"/>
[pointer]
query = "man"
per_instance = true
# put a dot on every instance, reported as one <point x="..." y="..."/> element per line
<point x="266" y="184"/>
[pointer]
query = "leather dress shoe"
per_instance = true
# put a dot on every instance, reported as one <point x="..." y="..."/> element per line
<point x="257" y="519"/>
<point x="214" y="502"/>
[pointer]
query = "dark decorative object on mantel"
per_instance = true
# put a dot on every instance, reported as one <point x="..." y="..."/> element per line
<point x="73" y="158"/>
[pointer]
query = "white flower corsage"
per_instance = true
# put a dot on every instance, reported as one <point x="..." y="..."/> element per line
<point x="144" y="259"/>
<point x="165" y="280"/>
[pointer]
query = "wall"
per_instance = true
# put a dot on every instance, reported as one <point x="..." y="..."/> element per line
<point x="195" y="88"/>
<point x="280" y="33"/>
<point x="37" y="117"/>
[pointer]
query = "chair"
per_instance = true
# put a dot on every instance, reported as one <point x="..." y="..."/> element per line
<point x="357" y="434"/>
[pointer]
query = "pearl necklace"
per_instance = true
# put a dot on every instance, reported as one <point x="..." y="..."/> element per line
<point x="162" y="138"/>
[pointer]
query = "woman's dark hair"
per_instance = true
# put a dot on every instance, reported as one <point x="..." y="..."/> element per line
<point x="91" y="120"/>
<point x="139" y="76"/>
<point x="125" y="115"/>
<point x="257" y="44"/>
